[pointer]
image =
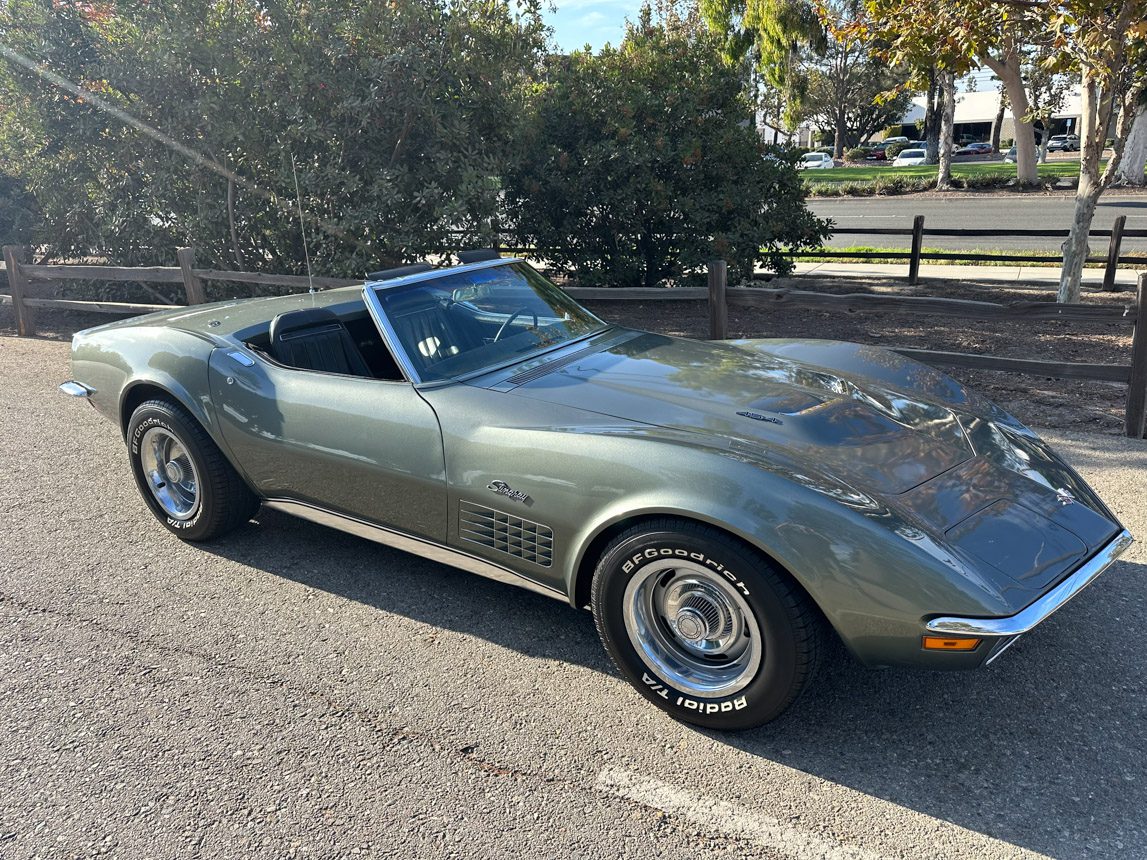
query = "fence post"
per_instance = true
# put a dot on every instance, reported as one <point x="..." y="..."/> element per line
<point x="192" y="286"/>
<point x="917" y="247"/>
<point x="718" y="308"/>
<point x="1136" y="422"/>
<point x="1113" y="253"/>
<point x="18" y="285"/>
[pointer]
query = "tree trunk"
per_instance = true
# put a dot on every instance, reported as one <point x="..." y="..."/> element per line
<point x="931" y="122"/>
<point x="841" y="130"/>
<point x="998" y="125"/>
<point x="1092" y="133"/>
<point x="1135" y="151"/>
<point x="1008" y="71"/>
<point x="1041" y="147"/>
<point x="1076" y="249"/>
<point x="947" y="84"/>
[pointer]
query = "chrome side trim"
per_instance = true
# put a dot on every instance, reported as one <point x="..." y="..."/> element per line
<point x="241" y="358"/>
<point x="409" y="543"/>
<point x="76" y="389"/>
<point x="1033" y="615"/>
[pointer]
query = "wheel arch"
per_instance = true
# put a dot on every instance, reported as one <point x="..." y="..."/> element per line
<point x="592" y="549"/>
<point x="139" y="391"/>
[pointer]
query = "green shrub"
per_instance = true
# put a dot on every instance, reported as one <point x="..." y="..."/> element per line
<point x="633" y="179"/>
<point x="855" y="154"/>
<point x="894" y="149"/>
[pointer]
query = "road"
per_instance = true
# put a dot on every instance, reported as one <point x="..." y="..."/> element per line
<point x="291" y="691"/>
<point x="1037" y="211"/>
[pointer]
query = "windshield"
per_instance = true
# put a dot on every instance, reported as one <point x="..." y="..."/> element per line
<point x="457" y="324"/>
<point x="817" y="156"/>
<point x="913" y="153"/>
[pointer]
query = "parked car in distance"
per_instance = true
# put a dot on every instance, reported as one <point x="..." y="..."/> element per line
<point x="910" y="157"/>
<point x="726" y="509"/>
<point x="888" y="141"/>
<point x="875" y="152"/>
<point x="981" y="148"/>
<point x="816" y="161"/>
<point x="1063" y="143"/>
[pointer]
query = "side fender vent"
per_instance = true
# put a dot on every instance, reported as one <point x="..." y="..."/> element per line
<point x="506" y="533"/>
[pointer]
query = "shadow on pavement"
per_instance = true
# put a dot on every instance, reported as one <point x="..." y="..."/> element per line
<point x="1045" y="749"/>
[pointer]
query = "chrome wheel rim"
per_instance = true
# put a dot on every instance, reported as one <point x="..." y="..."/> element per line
<point x="171" y="475"/>
<point x="692" y="628"/>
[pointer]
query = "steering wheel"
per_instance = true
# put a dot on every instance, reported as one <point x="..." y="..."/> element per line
<point x="512" y="317"/>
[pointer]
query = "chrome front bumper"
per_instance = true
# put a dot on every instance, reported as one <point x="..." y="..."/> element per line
<point x="75" y="389"/>
<point x="1022" y="622"/>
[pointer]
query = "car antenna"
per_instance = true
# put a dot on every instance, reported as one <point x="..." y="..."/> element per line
<point x="302" y="227"/>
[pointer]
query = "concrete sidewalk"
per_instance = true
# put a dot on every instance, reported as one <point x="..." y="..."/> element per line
<point x="1126" y="278"/>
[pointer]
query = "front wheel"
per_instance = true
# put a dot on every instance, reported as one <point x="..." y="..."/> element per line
<point x="183" y="476"/>
<point x="703" y="626"/>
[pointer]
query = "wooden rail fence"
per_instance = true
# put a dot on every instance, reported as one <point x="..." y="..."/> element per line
<point x="1111" y="260"/>
<point x="23" y="280"/>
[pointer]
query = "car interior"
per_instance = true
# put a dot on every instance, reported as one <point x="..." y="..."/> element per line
<point x="322" y="340"/>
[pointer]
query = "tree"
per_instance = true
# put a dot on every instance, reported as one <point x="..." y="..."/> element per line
<point x="1106" y="44"/>
<point x="631" y="178"/>
<point x="184" y="121"/>
<point x="774" y="35"/>
<point x="852" y="92"/>
<point x="960" y="35"/>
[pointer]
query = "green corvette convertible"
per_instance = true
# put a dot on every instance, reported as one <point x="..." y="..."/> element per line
<point x="724" y="508"/>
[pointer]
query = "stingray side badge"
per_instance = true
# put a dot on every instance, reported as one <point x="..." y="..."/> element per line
<point x="504" y="489"/>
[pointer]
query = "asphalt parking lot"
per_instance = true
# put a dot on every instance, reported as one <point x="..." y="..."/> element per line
<point x="293" y="691"/>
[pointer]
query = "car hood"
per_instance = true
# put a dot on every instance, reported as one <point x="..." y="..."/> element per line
<point x="882" y="440"/>
<point x="950" y="464"/>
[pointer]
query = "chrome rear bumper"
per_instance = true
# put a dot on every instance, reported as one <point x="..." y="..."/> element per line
<point x="1022" y="622"/>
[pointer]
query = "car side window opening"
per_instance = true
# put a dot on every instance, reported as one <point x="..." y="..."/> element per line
<point x="461" y="323"/>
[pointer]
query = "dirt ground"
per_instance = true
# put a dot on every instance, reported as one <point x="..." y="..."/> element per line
<point x="1037" y="401"/>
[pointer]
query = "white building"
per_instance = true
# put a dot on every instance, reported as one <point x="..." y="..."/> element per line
<point x="976" y="113"/>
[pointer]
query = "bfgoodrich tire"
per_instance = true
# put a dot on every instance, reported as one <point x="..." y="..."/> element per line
<point x="703" y="626"/>
<point x="183" y="476"/>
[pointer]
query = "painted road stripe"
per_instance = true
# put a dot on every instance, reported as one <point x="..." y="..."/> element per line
<point x="727" y="819"/>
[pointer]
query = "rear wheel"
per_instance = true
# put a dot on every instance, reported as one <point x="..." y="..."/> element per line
<point x="703" y="626"/>
<point x="183" y="476"/>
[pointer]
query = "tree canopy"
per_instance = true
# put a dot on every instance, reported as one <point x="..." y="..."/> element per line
<point x="400" y="116"/>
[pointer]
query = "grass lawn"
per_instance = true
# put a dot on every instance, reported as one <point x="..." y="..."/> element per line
<point x="1046" y="258"/>
<point x="869" y="173"/>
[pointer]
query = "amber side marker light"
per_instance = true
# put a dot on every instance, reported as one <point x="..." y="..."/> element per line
<point x="941" y="643"/>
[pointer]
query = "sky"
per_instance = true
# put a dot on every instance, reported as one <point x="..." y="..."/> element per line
<point x="578" y="22"/>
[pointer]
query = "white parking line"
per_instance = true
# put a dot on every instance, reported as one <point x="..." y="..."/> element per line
<point x="727" y="819"/>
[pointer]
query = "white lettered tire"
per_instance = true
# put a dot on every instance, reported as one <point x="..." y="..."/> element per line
<point x="183" y="476"/>
<point x="704" y="626"/>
